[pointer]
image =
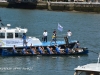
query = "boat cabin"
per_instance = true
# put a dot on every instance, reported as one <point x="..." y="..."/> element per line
<point x="13" y="36"/>
<point x="88" y="69"/>
<point x="8" y="33"/>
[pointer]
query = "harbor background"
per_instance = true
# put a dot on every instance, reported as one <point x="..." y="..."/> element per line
<point x="52" y="5"/>
<point x="85" y="27"/>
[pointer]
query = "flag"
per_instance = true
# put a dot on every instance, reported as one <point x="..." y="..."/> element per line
<point x="60" y="28"/>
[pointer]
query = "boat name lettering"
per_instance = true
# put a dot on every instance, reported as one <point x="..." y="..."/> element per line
<point x="12" y="42"/>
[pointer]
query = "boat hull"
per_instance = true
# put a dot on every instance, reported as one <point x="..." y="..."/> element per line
<point x="71" y="45"/>
<point x="6" y="52"/>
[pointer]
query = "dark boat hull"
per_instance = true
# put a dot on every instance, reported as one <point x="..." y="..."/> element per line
<point x="7" y="53"/>
<point x="71" y="45"/>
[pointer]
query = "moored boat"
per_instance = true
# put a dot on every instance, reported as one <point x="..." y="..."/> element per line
<point x="88" y="69"/>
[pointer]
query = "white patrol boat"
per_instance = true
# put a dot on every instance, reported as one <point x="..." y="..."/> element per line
<point x="88" y="69"/>
<point x="13" y="36"/>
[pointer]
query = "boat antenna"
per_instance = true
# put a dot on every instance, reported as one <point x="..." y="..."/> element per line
<point x="0" y="19"/>
<point x="98" y="61"/>
<point x="1" y="22"/>
<point x="98" y="57"/>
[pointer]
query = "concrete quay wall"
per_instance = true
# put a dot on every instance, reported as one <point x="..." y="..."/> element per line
<point x="59" y="6"/>
<point x="78" y="6"/>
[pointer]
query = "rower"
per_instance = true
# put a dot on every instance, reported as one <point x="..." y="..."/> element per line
<point x="26" y="47"/>
<point x="31" y="49"/>
<point x="57" y="50"/>
<point x="40" y="49"/>
<point x="23" y="51"/>
<point x="14" y="50"/>
<point x="67" y="50"/>
<point x="49" y="49"/>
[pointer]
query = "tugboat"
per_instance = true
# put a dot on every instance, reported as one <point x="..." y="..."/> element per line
<point x="88" y="69"/>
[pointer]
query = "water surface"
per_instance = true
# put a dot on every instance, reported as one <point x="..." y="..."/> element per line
<point x="85" y="27"/>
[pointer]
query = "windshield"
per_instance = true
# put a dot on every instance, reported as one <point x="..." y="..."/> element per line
<point x="86" y="73"/>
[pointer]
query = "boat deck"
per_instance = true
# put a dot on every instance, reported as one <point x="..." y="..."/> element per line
<point x="53" y="43"/>
<point x="48" y="43"/>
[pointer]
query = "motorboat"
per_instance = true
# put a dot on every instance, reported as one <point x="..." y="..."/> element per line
<point x="88" y="69"/>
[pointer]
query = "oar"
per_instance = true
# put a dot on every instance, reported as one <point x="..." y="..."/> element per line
<point x="93" y="51"/>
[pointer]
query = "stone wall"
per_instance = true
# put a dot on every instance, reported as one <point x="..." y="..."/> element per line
<point x="61" y="6"/>
<point x="87" y="7"/>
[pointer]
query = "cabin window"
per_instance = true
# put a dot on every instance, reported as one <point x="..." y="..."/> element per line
<point x="93" y="73"/>
<point x="18" y="35"/>
<point x="9" y="35"/>
<point x="81" y="73"/>
<point x="2" y="35"/>
<point x="87" y="73"/>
